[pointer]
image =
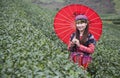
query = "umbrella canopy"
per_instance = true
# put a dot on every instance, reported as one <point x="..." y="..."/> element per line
<point x="64" y="21"/>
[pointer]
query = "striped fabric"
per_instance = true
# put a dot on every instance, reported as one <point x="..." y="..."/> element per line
<point x="82" y="54"/>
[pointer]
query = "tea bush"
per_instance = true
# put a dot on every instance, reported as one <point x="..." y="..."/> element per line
<point x="106" y="57"/>
<point x="29" y="46"/>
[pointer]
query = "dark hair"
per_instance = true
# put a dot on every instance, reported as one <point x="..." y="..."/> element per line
<point x="85" y="34"/>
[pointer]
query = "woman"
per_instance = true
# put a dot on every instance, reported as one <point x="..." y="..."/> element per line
<point x="82" y="43"/>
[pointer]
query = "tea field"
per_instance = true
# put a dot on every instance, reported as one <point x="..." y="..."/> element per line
<point x="29" y="48"/>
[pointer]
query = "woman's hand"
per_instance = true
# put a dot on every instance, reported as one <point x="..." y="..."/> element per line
<point x="72" y="44"/>
<point x="76" y="41"/>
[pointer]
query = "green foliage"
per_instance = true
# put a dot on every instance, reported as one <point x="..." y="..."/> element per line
<point x="115" y="19"/>
<point x="49" y="1"/>
<point x="106" y="62"/>
<point x="117" y="6"/>
<point x="100" y="6"/>
<point x="29" y="46"/>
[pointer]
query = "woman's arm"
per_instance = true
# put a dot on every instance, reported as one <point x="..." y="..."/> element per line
<point x="89" y="49"/>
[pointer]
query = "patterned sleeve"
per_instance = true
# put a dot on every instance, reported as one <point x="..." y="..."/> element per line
<point x="91" y="39"/>
<point x="91" y="45"/>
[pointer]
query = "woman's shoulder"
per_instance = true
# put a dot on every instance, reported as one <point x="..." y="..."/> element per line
<point x="91" y="39"/>
<point x="91" y="36"/>
<point x="72" y="36"/>
<point x="73" y="33"/>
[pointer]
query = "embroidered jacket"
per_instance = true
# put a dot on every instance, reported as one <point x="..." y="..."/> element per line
<point x="88" y="47"/>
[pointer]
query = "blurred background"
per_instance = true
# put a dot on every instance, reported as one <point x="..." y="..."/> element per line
<point x="100" y="6"/>
<point x="29" y="47"/>
<point x="105" y="8"/>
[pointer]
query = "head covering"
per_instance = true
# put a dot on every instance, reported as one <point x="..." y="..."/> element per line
<point x="78" y="17"/>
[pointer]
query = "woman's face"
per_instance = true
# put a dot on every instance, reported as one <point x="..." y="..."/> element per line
<point x="81" y="26"/>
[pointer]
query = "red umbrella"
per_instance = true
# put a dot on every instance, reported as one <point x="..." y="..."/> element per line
<point x="64" y="21"/>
